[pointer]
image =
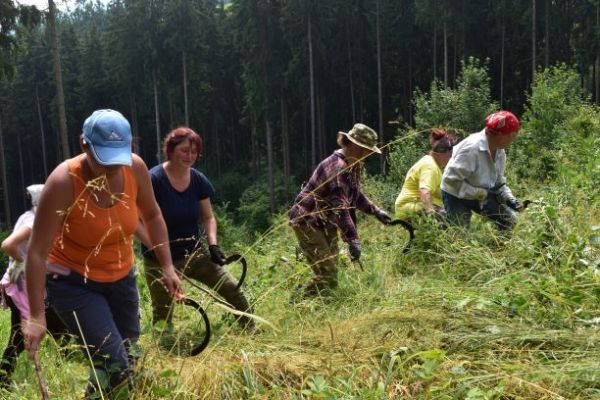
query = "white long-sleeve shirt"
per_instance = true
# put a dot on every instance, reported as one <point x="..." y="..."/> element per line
<point x="472" y="167"/>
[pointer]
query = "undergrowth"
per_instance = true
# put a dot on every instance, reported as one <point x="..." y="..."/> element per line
<point x="463" y="315"/>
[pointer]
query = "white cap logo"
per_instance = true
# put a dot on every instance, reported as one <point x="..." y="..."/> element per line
<point x="114" y="137"/>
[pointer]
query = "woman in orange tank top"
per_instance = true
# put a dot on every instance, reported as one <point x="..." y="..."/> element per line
<point x="82" y="233"/>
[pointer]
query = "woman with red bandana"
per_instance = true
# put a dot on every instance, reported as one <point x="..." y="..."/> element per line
<point x="474" y="181"/>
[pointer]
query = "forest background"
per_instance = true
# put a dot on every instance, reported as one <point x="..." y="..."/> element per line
<point x="267" y="83"/>
<point x="464" y="314"/>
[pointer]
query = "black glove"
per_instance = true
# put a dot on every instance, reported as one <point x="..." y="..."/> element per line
<point x="513" y="203"/>
<point x="354" y="249"/>
<point x="383" y="217"/>
<point x="216" y="255"/>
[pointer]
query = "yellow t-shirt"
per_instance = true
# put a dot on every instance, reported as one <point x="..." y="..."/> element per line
<point x="425" y="174"/>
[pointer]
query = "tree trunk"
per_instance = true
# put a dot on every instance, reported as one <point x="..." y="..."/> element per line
<point x="271" y="172"/>
<point x="32" y="177"/>
<point x="305" y="140"/>
<point x="171" y="113"/>
<point x="351" y="80"/>
<point x="21" y="170"/>
<point x="185" y="93"/>
<point x="4" y="188"/>
<point x="254" y="146"/>
<point x="502" y="62"/>
<point x="380" y="89"/>
<point x="318" y="122"/>
<point x="361" y="106"/>
<point x="445" y="50"/>
<point x="285" y="145"/>
<point x="232" y="136"/>
<point x="547" y="41"/>
<point x="597" y="79"/>
<point x="434" y="52"/>
<point x="533" y="40"/>
<point x="216" y="150"/>
<point x="455" y="56"/>
<point x="60" y="95"/>
<point x="463" y="30"/>
<point x="57" y="148"/>
<point x="321" y="102"/>
<point x="410" y="78"/>
<point x="313" y="133"/>
<point x="156" y="116"/>
<point x="42" y="133"/>
<point x="134" y="125"/>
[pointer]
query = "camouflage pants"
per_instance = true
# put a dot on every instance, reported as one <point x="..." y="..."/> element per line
<point x="320" y="246"/>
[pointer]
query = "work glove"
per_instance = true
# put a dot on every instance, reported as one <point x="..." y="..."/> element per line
<point x="480" y="194"/>
<point x="354" y="249"/>
<point x="514" y="203"/>
<point x="383" y="217"/>
<point x="216" y="255"/>
<point x="437" y="210"/>
<point x="15" y="272"/>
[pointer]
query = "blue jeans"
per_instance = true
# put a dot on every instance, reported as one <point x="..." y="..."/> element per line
<point x="104" y="317"/>
<point x="458" y="211"/>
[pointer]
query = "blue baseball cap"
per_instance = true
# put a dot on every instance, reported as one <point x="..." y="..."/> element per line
<point x="108" y="134"/>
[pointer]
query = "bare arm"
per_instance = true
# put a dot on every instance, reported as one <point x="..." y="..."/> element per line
<point x="426" y="199"/>
<point x="209" y="222"/>
<point x="11" y="244"/>
<point x="429" y="180"/>
<point x="156" y="228"/>
<point x="56" y="198"/>
<point x="141" y="234"/>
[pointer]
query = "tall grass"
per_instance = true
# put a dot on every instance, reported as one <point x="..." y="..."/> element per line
<point x="465" y="314"/>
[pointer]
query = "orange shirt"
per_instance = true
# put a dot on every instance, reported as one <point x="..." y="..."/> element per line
<point x="93" y="241"/>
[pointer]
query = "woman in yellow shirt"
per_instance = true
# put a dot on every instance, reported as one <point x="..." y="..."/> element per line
<point x="421" y="189"/>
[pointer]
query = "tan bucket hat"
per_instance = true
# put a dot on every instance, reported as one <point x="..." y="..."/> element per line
<point x="363" y="136"/>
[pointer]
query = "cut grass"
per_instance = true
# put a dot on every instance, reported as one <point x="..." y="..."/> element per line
<point x="464" y="315"/>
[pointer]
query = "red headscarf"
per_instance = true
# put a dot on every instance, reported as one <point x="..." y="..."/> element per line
<point x="502" y="122"/>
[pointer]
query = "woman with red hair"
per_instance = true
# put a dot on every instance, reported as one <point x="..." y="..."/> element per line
<point x="183" y="195"/>
<point x="474" y="181"/>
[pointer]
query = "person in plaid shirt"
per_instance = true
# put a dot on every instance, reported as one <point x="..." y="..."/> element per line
<point x="328" y="203"/>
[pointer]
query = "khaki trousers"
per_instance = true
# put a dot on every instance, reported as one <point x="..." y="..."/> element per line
<point x="320" y="246"/>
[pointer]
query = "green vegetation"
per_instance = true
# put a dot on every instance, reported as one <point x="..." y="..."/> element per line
<point x="464" y="315"/>
<point x="464" y="107"/>
<point x="268" y="83"/>
<point x="557" y="121"/>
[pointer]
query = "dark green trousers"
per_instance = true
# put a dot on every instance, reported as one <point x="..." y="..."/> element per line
<point x="201" y="269"/>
